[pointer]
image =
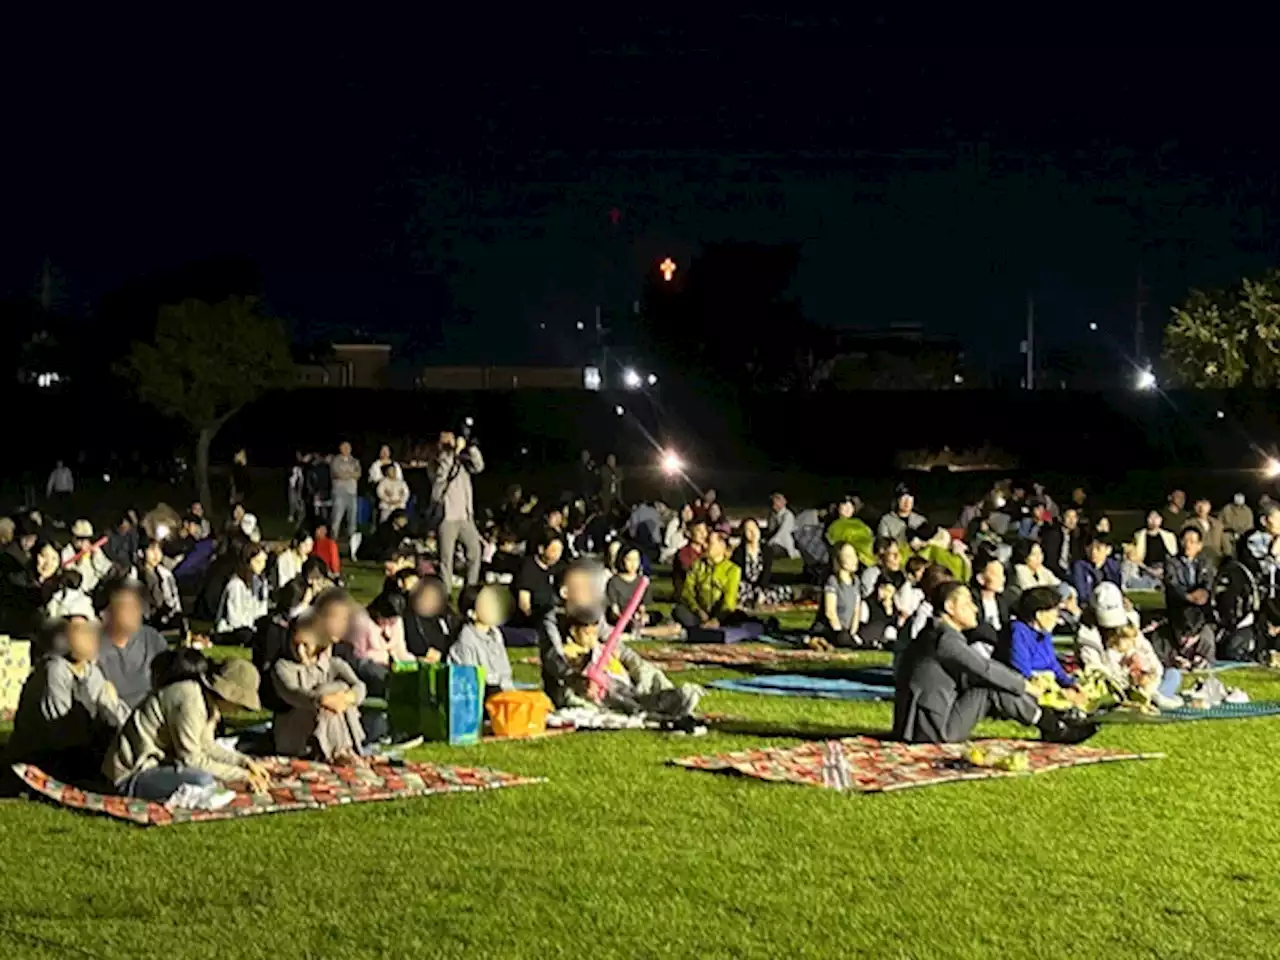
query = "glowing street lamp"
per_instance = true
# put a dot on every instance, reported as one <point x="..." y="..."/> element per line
<point x="1093" y="326"/>
<point x="618" y="410"/>
<point x="1146" y="380"/>
<point x="653" y="379"/>
<point x="630" y="379"/>
<point x="671" y="463"/>
<point x="1271" y="468"/>
<point x="668" y="269"/>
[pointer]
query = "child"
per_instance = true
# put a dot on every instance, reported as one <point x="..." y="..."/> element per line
<point x="480" y="643"/>
<point x="1108" y="635"/>
<point x="321" y="694"/>
<point x="326" y="548"/>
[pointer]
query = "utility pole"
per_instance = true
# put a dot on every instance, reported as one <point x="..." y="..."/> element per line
<point x="1029" y="344"/>
<point x="600" y="345"/>
<point x="1139" y="338"/>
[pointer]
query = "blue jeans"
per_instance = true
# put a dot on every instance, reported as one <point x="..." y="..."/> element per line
<point x="161" y="783"/>
<point x="344" y="507"/>
<point x="1170" y="682"/>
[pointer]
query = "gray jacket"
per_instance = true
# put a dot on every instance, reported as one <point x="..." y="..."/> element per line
<point x="476" y="648"/>
<point x="565" y="685"/>
<point x="62" y="710"/>
<point x="935" y="669"/>
<point x="896" y="528"/>
<point x="781" y="532"/>
<point x="302" y="687"/>
<point x="451" y="483"/>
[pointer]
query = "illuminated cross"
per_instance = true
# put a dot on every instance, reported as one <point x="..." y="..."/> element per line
<point x="668" y="268"/>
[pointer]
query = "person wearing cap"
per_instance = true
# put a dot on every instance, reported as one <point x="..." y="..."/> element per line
<point x="68" y="711"/>
<point x="780" y="531"/>
<point x="84" y="555"/>
<point x="1107" y="615"/>
<point x="945" y="687"/>
<point x="169" y="741"/>
<point x="131" y="647"/>
<point x="902" y="522"/>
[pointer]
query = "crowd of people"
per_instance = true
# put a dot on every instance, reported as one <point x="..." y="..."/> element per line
<point x="123" y="691"/>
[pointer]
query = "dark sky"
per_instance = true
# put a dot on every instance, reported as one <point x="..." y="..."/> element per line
<point x="446" y="180"/>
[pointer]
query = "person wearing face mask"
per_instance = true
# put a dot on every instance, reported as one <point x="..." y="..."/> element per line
<point x="567" y="641"/>
<point x="1237" y="520"/>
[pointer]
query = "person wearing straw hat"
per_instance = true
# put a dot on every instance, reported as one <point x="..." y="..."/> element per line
<point x="84" y="555"/>
<point x="169" y="744"/>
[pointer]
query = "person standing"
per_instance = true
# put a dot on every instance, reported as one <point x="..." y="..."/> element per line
<point x="378" y="469"/>
<point x="61" y="483"/>
<point x="392" y="491"/>
<point x="610" y="485"/>
<point x="587" y="481"/>
<point x="344" y="474"/>
<point x="297" y="486"/>
<point x="456" y="462"/>
<point x="240" y="483"/>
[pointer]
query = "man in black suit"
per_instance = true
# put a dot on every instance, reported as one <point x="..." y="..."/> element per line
<point x="945" y="686"/>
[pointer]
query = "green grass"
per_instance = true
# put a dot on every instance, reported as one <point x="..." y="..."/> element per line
<point x="619" y="855"/>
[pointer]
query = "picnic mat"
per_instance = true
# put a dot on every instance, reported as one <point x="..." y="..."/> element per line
<point x="875" y="766"/>
<point x="296" y="785"/>
<point x="802" y="685"/>
<point x="675" y="659"/>
<point x="1224" y="711"/>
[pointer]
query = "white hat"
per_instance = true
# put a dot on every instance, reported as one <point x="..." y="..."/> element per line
<point x="1108" y="606"/>
<point x="82" y="530"/>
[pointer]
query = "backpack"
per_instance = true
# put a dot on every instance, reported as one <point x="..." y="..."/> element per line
<point x="1235" y="594"/>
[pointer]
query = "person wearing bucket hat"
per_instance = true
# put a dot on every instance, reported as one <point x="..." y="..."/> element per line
<point x="1107" y="616"/>
<point x="902" y="521"/>
<point x="85" y="555"/>
<point x="167" y="747"/>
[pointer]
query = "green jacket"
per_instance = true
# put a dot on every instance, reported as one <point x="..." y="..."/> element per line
<point x="712" y="588"/>
<point x="854" y="531"/>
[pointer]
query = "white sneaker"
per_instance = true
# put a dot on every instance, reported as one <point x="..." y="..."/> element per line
<point x="219" y="798"/>
<point x="1236" y="695"/>
<point x="188" y="797"/>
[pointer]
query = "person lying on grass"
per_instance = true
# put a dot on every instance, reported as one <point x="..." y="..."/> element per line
<point x="480" y="643"/>
<point x="567" y="640"/>
<point x="945" y="686"/>
<point x="709" y="597"/>
<point x="68" y="711"/>
<point x="840" y="616"/>
<point x="169" y="742"/>
<point x="320" y="694"/>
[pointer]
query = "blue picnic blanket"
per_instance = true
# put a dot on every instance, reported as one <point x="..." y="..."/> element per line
<point x="800" y="685"/>
<point x="1227" y="711"/>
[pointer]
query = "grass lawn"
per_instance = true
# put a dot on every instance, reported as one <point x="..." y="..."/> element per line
<point x="619" y="855"/>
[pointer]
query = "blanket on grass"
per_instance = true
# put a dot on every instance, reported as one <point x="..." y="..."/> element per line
<point x="1224" y="711"/>
<point x="675" y="659"/>
<point x="875" y="766"/>
<point x="802" y="685"/>
<point x="295" y="785"/>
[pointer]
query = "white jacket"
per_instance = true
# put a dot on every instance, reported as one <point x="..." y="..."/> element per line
<point x="240" y="607"/>
<point x="92" y="567"/>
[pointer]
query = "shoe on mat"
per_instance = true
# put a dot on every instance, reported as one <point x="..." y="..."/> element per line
<point x="1055" y="728"/>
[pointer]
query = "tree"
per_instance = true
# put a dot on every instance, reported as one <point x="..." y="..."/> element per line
<point x="206" y="362"/>
<point x="1223" y="339"/>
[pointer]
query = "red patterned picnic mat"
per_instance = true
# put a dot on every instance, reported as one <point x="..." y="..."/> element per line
<point x="296" y="785"/>
<point x="876" y="766"/>
<point x="675" y="659"/>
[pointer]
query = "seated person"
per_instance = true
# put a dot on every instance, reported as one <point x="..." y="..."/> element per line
<point x="289" y="561"/>
<point x="1029" y="568"/>
<point x="622" y="586"/>
<point x="1097" y="567"/>
<point x="84" y="554"/>
<point x="430" y="627"/>
<point x="320" y="696"/>
<point x="754" y="558"/>
<point x="995" y="607"/>
<point x="68" y="712"/>
<point x="534" y="586"/>
<point x="1188" y="576"/>
<point x="709" y="597"/>
<point x="507" y="558"/>
<point x="130" y="647"/>
<point x="1153" y="545"/>
<point x="886" y="569"/>
<point x="902" y="523"/>
<point x="717" y="521"/>
<point x="676" y="535"/>
<point x="1063" y="543"/>
<point x="480" y="642"/>
<point x="840" y="617"/>
<point x="689" y="554"/>
<point x="67" y="598"/>
<point x="880" y="616"/>
<point x="388" y="539"/>
<point x="1186" y="642"/>
<point x="169" y="742"/>
<point x="376" y="640"/>
<point x="780" y="532"/>
<point x="1031" y="639"/>
<point x="326" y="548"/>
<point x="164" y="603"/>
<point x="190" y="554"/>
<point x="847" y="528"/>
<point x="1110" y="642"/>
<point x="244" y="599"/>
<point x="567" y="640"/>
<point x="945" y="687"/>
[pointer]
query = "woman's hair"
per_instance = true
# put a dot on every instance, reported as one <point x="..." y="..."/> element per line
<point x="289" y="595"/>
<point x="247" y="553"/>
<point x="884" y="543"/>
<point x="312" y="567"/>
<point x="752" y="521"/>
<point x="387" y="605"/>
<point x="299" y="537"/>
<point x="401" y="577"/>
<point x="1036" y="600"/>
<point x="328" y="598"/>
<point x="1124" y="632"/>
<point x="934" y="575"/>
<point x="467" y="599"/>
<point x="835" y="552"/>
<point x="178" y="666"/>
<point x="37" y="547"/>
<point x="1023" y="550"/>
<point x="914" y="565"/>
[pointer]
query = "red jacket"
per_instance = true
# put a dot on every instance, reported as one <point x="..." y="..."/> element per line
<point x="326" y="549"/>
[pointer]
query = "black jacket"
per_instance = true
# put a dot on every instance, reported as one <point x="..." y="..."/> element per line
<point x="422" y="634"/>
<point x="984" y="631"/>
<point x="766" y="571"/>
<point x="1051" y="537"/>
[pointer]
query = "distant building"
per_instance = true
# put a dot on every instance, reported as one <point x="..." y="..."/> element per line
<point x="503" y="378"/>
<point x="365" y="365"/>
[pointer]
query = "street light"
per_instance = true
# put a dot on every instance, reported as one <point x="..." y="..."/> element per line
<point x="1271" y="468"/>
<point x="1146" y="380"/>
<point x="581" y="325"/>
<point x="671" y="462"/>
<point x="653" y="379"/>
<point x="630" y="379"/>
<point x="668" y="268"/>
<point x="618" y="410"/>
<point x="1093" y="325"/>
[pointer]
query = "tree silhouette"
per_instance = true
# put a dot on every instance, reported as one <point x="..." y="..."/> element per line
<point x="1223" y="339"/>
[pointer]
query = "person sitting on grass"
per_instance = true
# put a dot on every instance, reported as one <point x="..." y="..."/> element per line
<point x="780" y="531"/>
<point x="534" y="585"/>
<point x="85" y="555"/>
<point x="131" y="646"/>
<point x="886" y="569"/>
<point x="995" y="607"/>
<point x="676" y="534"/>
<point x="244" y="599"/>
<point x="622" y="586"/>
<point x="480" y="642"/>
<point x="68" y="711"/>
<point x="754" y="558"/>
<point x="376" y="640"/>
<point x="840" y="617"/>
<point x="709" y="597"/>
<point x="689" y="554"/>
<point x="1029" y="569"/>
<point x="1188" y="577"/>
<point x="567" y="641"/>
<point x="164" y="602"/>
<point x="902" y="524"/>
<point x="430" y="627"/>
<point x="1153" y="546"/>
<point x="1187" y="642"/>
<point x="320" y="696"/>
<point x="847" y="528"/>
<point x="1097" y="567"/>
<point x="169" y="741"/>
<point x="326" y="548"/>
<point x="1031" y="648"/>
<point x="1110" y="642"/>
<point x="289" y="561"/>
<point x="945" y="687"/>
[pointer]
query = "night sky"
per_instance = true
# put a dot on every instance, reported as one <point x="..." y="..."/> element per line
<point x="448" y="182"/>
